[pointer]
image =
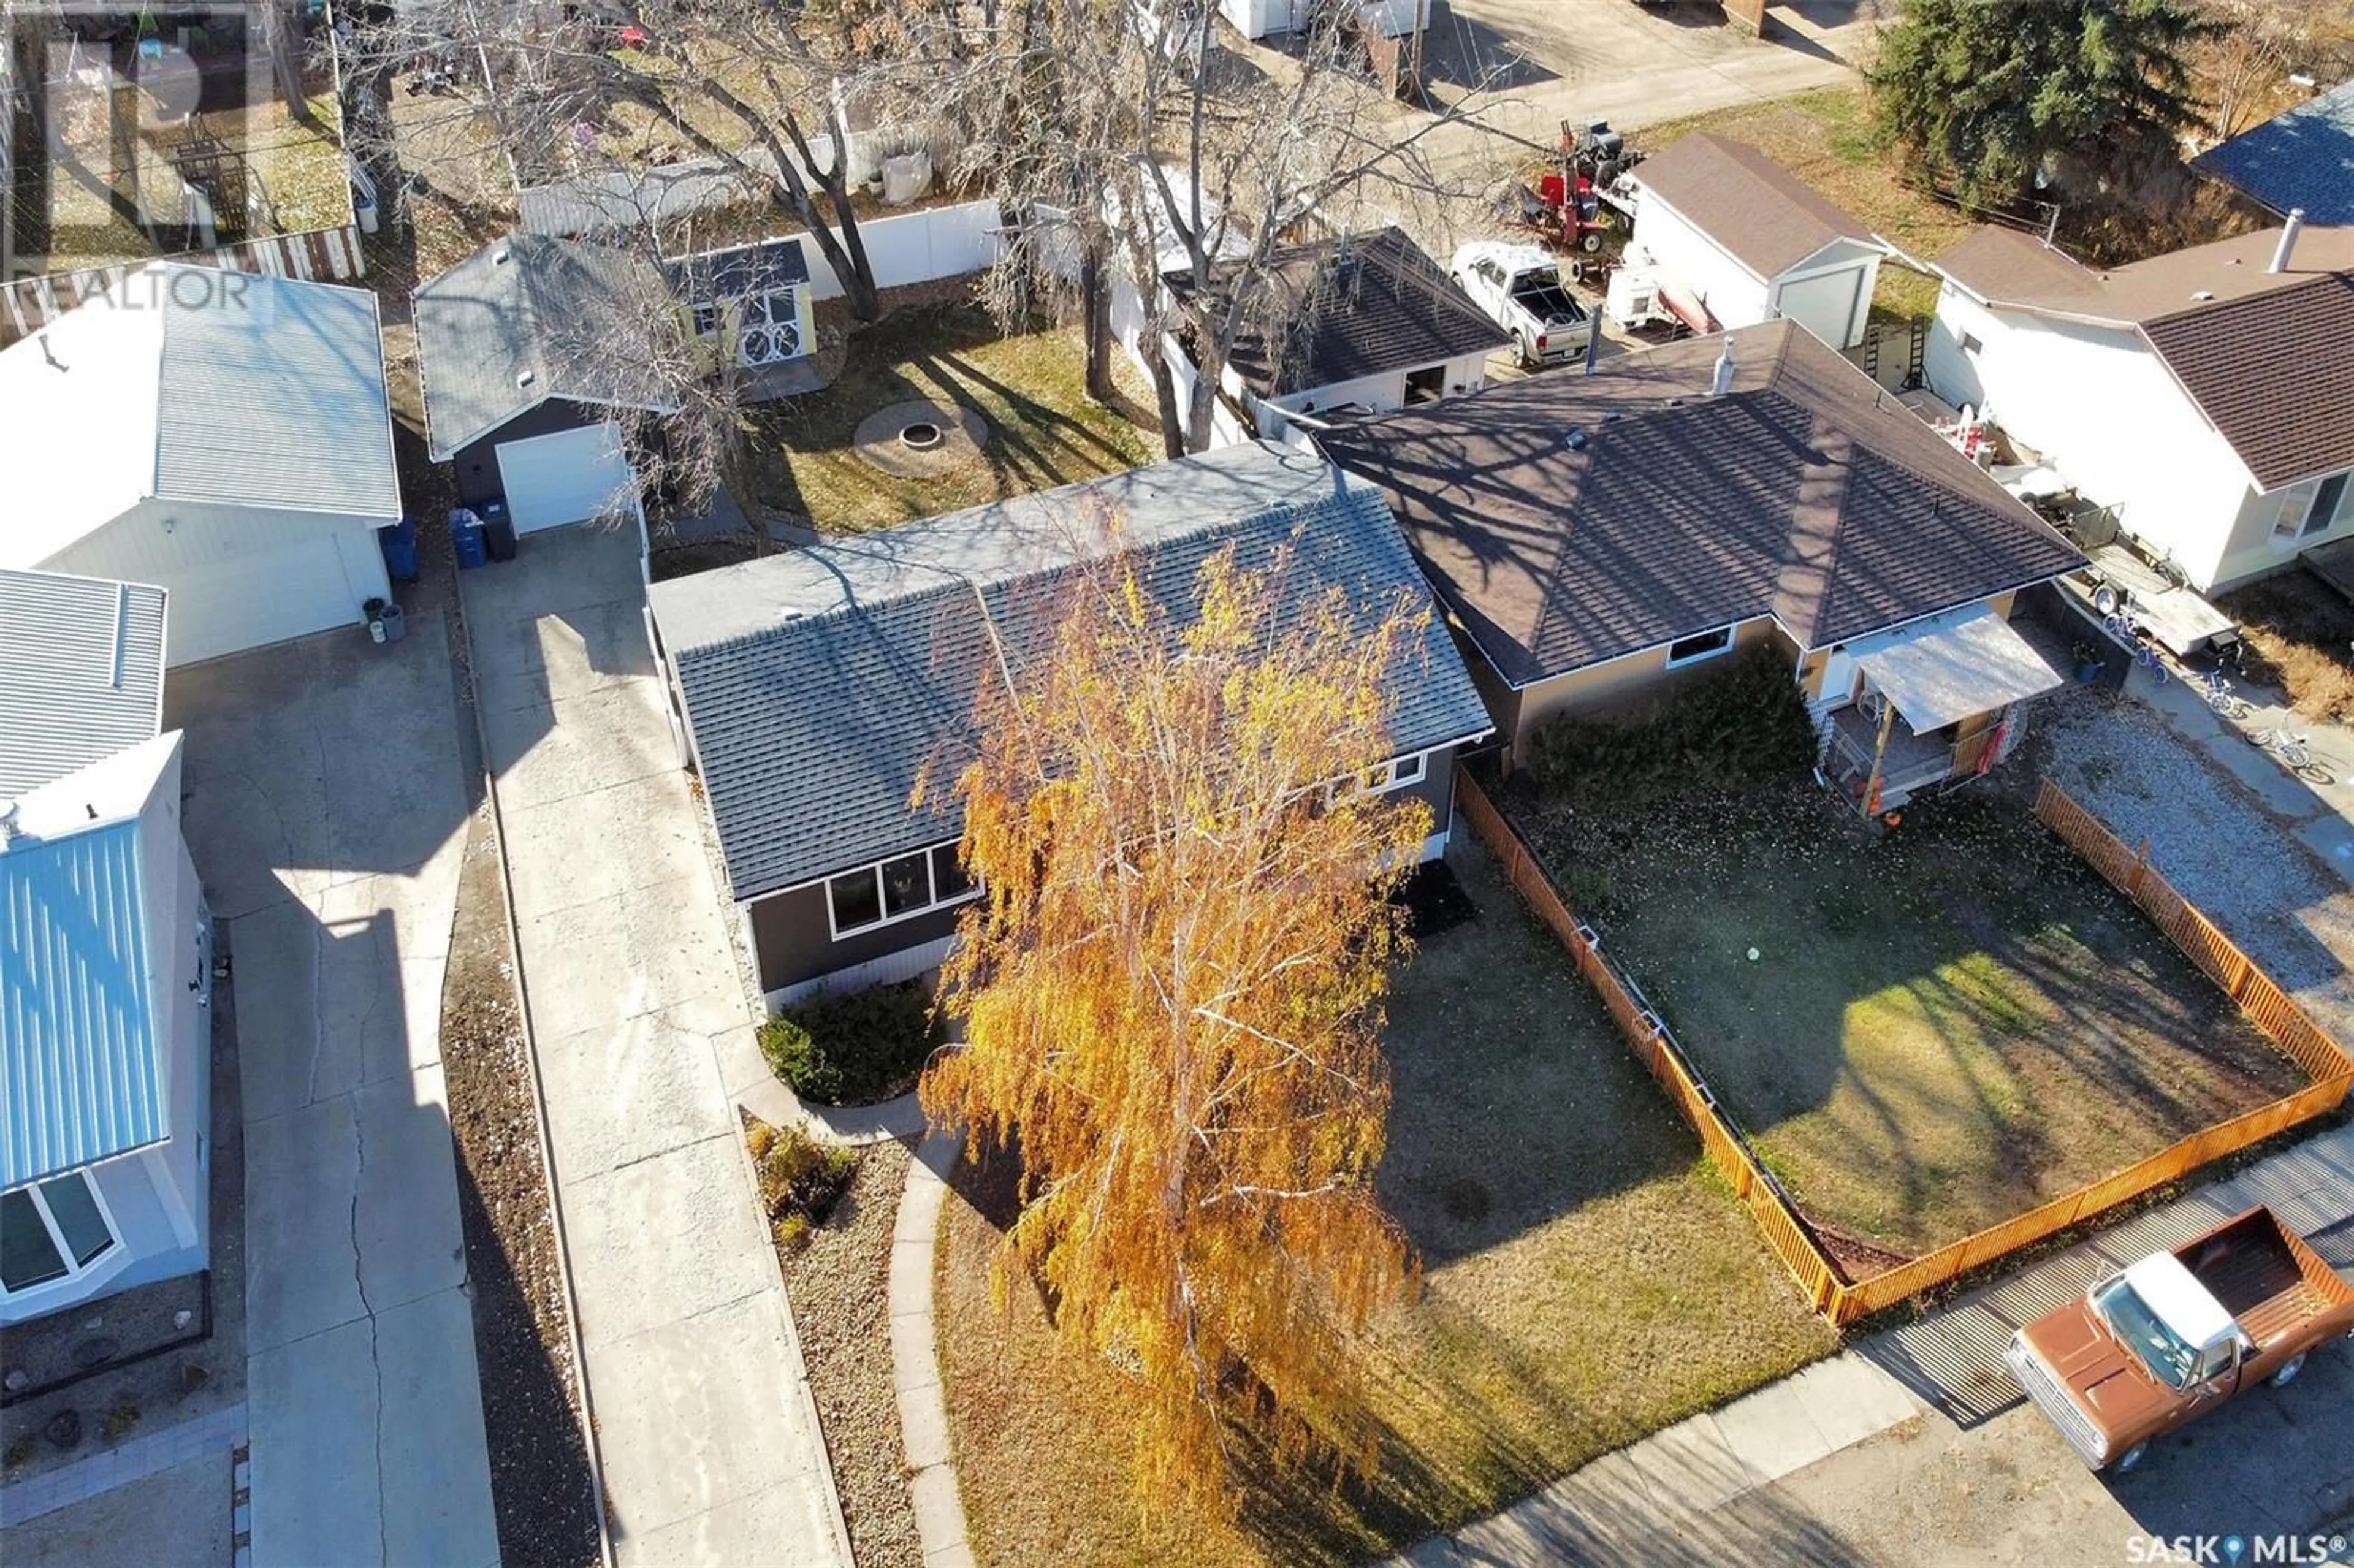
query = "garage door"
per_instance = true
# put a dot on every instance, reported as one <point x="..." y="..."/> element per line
<point x="1824" y="304"/>
<point x="261" y="597"/>
<point x="567" y="477"/>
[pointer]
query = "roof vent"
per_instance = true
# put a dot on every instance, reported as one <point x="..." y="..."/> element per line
<point x="2202" y="294"/>
<point x="1722" y="382"/>
<point x="8" y="828"/>
<point x="1575" y="440"/>
<point x="2287" y="247"/>
<point x="525" y="378"/>
<point x="1675" y="403"/>
<point x="500" y="257"/>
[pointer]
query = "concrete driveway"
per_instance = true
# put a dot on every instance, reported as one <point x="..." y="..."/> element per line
<point x="326" y="812"/>
<point x="709" y="1445"/>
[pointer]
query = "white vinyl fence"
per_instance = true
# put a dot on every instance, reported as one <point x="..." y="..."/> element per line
<point x="916" y="247"/>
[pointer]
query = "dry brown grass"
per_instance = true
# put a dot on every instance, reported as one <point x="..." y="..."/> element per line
<point x="1588" y="1283"/>
<point x="2303" y="630"/>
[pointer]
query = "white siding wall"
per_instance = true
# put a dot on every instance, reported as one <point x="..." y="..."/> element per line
<point x="916" y="247"/>
<point x="2100" y="407"/>
<point x="2250" y="550"/>
<point x="1382" y="393"/>
<point x="1697" y="265"/>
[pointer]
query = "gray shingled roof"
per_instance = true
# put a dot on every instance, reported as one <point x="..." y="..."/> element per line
<point x="1392" y="309"/>
<point x="529" y="318"/>
<point x="1803" y="493"/>
<point x="81" y="673"/>
<point x="2301" y="157"/>
<point x="821" y="683"/>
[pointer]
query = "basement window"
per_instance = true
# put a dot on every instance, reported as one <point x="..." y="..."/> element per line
<point x="50" y="1231"/>
<point x="1700" y="645"/>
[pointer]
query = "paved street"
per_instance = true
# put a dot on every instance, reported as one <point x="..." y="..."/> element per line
<point x="326" y="810"/>
<point x="708" y="1442"/>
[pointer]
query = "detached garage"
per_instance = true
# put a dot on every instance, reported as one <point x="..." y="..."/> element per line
<point x="1735" y="233"/>
<point x="535" y="354"/>
<point x="224" y="436"/>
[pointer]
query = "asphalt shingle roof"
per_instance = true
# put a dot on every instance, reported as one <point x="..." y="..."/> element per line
<point x="823" y="683"/>
<point x="1392" y="309"/>
<point x="1802" y="494"/>
<point x="2301" y="157"/>
<point x="1759" y="212"/>
<point x="738" y="271"/>
<point x="533" y="317"/>
<point x="81" y="673"/>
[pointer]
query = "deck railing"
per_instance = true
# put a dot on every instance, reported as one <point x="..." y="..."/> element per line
<point x="1779" y="1220"/>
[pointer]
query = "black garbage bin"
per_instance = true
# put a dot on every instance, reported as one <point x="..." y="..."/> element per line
<point x="498" y="531"/>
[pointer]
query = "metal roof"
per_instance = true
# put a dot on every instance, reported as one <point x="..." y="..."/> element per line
<point x="2301" y="157"/>
<point x="81" y="673"/>
<point x="628" y="199"/>
<point x="821" y="683"/>
<point x="529" y="318"/>
<point x="82" y="1075"/>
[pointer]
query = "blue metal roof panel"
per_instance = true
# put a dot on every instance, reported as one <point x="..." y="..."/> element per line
<point x="81" y="1072"/>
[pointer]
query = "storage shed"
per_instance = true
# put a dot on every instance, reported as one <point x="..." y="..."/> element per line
<point x="1747" y="241"/>
<point x="221" y="435"/>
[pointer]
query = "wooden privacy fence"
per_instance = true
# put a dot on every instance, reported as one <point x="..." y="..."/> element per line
<point x="1785" y="1231"/>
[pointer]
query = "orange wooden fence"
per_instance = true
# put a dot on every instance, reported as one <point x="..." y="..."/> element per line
<point x="1785" y="1231"/>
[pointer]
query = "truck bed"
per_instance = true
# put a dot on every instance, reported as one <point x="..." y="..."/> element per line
<point x="2257" y="1274"/>
<point x="1549" y="303"/>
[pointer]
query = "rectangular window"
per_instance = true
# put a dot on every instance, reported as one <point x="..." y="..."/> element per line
<point x="50" y="1231"/>
<point x="857" y="901"/>
<point x="2308" y="509"/>
<point x="707" y="320"/>
<point x="1971" y="345"/>
<point x="1394" y="774"/>
<point x="1704" y="645"/>
<point x="908" y="885"/>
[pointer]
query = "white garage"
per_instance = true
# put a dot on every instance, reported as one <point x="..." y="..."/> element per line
<point x="1747" y="241"/>
<point x="223" y="436"/>
<point x="567" y="476"/>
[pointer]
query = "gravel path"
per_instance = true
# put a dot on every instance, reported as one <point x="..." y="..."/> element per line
<point x="2211" y="840"/>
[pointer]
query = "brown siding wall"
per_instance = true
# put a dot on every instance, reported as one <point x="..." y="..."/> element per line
<point x="790" y="944"/>
<point x="1617" y="685"/>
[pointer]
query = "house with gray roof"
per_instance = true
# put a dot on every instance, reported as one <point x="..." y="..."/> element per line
<point x="2301" y="160"/>
<point x="814" y="688"/>
<point x="2203" y="395"/>
<point x="1600" y="539"/>
<point x="105" y="956"/>
<point x="224" y="435"/>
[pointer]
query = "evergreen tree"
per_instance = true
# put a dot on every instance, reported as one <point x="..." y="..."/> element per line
<point x="1991" y="93"/>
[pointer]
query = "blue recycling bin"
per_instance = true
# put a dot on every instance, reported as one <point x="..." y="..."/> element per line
<point x="399" y="545"/>
<point x="466" y="534"/>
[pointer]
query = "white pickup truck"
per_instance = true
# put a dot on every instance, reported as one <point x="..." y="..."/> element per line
<point x="1519" y="287"/>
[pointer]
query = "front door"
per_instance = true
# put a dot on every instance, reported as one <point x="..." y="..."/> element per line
<point x="1838" y="689"/>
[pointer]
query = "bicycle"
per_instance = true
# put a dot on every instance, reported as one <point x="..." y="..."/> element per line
<point x="2291" y="751"/>
<point x="2217" y="689"/>
<point x="2137" y="638"/>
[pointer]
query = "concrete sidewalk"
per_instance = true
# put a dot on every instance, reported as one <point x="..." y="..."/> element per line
<point x="707" y="1438"/>
<point x="326" y="813"/>
<point x="1721" y="1463"/>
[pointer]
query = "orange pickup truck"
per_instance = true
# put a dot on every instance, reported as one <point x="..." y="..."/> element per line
<point x="2167" y="1339"/>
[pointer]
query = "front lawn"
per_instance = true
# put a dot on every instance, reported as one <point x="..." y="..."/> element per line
<point x="1588" y="1282"/>
<point x="1925" y="1031"/>
<point x="2303" y="631"/>
<point x="1029" y="385"/>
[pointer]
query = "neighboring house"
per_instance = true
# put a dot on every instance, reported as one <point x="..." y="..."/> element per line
<point x="2299" y="160"/>
<point x="1359" y="323"/>
<point x="816" y="687"/>
<point x="223" y="435"/>
<point x="105" y="956"/>
<point x="1740" y="238"/>
<point x="2204" y="395"/>
<point x="749" y="304"/>
<point x="532" y="355"/>
<point x="1596" y="538"/>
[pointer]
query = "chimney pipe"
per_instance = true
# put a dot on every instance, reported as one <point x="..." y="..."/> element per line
<point x="1722" y="382"/>
<point x="2289" y="231"/>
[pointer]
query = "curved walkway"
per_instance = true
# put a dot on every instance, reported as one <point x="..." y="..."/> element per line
<point x="914" y="1358"/>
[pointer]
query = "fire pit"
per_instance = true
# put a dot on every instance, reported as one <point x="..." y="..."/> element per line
<point x="922" y="436"/>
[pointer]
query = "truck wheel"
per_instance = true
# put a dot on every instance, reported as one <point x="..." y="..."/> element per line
<point x="2129" y="1459"/>
<point x="2285" y="1373"/>
<point x="1528" y="355"/>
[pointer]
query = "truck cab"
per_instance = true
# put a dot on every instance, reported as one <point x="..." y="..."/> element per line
<point x="2160" y="1343"/>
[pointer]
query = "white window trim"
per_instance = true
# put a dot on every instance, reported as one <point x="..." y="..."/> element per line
<point x="78" y="1277"/>
<point x="2302" y="499"/>
<point x="1731" y="630"/>
<point x="1390" y="778"/>
<point x="933" y="905"/>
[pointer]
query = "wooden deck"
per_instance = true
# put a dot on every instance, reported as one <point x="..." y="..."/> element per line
<point x="2333" y="564"/>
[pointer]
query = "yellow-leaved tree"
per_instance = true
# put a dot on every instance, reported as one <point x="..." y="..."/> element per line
<point x="1170" y="995"/>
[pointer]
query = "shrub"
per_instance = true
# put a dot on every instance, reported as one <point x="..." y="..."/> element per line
<point x="1720" y="731"/>
<point x="855" y="1048"/>
<point x="801" y="1179"/>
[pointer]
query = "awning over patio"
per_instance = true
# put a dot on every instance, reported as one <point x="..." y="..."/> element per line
<point x="1941" y="671"/>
